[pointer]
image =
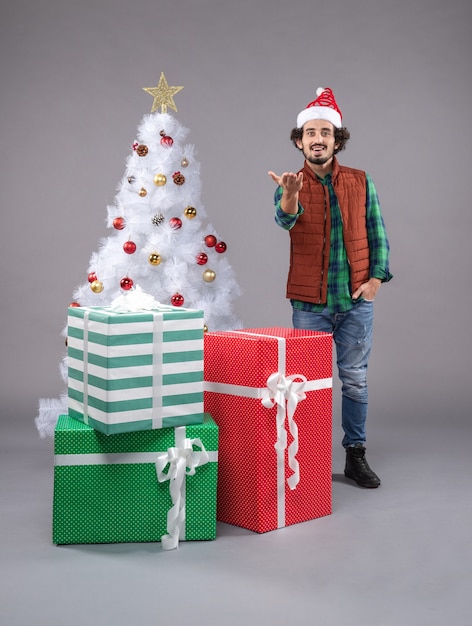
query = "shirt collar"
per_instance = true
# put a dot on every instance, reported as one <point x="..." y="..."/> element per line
<point x="333" y="174"/>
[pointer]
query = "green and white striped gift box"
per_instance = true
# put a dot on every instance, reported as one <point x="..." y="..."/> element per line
<point x="136" y="370"/>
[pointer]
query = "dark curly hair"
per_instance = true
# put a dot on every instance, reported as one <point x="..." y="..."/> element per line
<point x="341" y="137"/>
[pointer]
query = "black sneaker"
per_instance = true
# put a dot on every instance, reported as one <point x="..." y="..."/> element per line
<point x="358" y="469"/>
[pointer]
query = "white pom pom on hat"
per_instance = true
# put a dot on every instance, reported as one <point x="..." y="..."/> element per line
<point x="324" y="107"/>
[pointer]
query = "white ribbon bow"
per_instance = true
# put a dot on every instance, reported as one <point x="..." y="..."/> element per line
<point x="134" y="301"/>
<point x="281" y="389"/>
<point x="182" y="462"/>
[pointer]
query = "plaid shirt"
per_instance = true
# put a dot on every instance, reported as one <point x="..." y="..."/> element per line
<point x="339" y="289"/>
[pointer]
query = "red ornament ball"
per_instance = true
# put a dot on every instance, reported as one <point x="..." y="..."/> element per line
<point x="202" y="258"/>
<point x="119" y="223"/>
<point x="74" y="304"/>
<point x="210" y="241"/>
<point x="177" y="299"/>
<point x="129" y="247"/>
<point x="167" y="141"/>
<point x="175" y="223"/>
<point x="126" y="283"/>
<point x="221" y="247"/>
<point x="91" y="277"/>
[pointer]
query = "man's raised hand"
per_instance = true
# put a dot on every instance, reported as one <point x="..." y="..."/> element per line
<point x="290" y="182"/>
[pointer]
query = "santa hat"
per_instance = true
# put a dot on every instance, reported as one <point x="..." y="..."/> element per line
<point x="323" y="108"/>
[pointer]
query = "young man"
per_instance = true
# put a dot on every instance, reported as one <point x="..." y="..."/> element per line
<point x="339" y="255"/>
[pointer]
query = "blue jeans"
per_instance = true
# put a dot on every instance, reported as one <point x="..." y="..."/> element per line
<point x="352" y="334"/>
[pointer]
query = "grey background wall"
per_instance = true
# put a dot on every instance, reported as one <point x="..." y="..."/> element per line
<point x="71" y="98"/>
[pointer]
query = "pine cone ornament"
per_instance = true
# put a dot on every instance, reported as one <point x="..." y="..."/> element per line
<point x="178" y="178"/>
<point x="142" y="150"/>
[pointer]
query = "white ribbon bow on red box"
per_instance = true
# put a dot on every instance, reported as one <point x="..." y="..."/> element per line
<point x="283" y="390"/>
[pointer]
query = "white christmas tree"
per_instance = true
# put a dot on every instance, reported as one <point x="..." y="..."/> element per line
<point x="160" y="242"/>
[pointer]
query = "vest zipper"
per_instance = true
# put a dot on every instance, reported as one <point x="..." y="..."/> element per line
<point x="324" y="247"/>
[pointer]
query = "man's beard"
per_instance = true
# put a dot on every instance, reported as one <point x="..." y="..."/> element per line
<point x="321" y="160"/>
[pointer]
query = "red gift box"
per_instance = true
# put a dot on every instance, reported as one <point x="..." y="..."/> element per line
<point x="270" y="392"/>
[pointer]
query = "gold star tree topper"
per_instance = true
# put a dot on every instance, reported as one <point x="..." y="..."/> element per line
<point x="163" y="95"/>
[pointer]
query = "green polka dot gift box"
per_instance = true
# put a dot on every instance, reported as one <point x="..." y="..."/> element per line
<point x="144" y="486"/>
<point x="135" y="370"/>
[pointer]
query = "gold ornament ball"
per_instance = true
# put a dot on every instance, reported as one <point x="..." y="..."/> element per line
<point x="205" y="328"/>
<point x="154" y="258"/>
<point x="96" y="286"/>
<point x="160" y="180"/>
<point x="209" y="276"/>
<point x="142" y="192"/>
<point x="184" y="162"/>
<point x="190" y="212"/>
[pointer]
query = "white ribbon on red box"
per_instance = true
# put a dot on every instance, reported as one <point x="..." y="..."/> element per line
<point x="285" y="392"/>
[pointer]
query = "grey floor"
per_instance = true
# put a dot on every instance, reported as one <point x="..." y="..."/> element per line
<point x="397" y="556"/>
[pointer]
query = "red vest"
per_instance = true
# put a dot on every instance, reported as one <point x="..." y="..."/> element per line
<point x="310" y="236"/>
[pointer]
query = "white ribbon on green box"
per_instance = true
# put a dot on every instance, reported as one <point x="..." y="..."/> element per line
<point x="135" y="370"/>
<point x="181" y="460"/>
<point x="285" y="393"/>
